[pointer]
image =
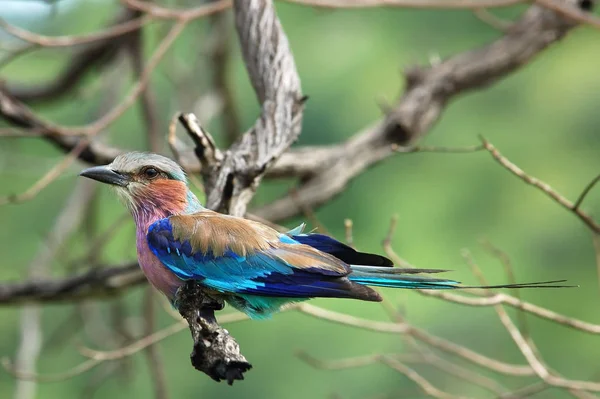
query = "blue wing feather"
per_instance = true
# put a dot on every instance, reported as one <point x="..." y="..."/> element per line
<point x="259" y="273"/>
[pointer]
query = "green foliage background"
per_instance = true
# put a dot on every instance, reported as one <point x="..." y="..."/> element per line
<point x="544" y="118"/>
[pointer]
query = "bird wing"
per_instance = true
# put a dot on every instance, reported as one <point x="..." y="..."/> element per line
<point x="340" y="250"/>
<point x="237" y="255"/>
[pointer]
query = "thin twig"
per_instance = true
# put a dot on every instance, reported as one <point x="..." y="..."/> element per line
<point x="157" y="11"/>
<point x="110" y="32"/>
<point x="542" y="371"/>
<point x="421" y="335"/>
<point x="508" y="269"/>
<point x="525" y="391"/>
<point x="94" y="128"/>
<point x="388" y="248"/>
<point x="437" y="149"/>
<point x="536" y="364"/>
<point x="97" y="357"/>
<point x="48" y="178"/>
<point x="542" y="186"/>
<point x="596" y="241"/>
<point x="585" y="192"/>
<point x="504" y="299"/>
<point x="495" y="22"/>
<point x="428" y="356"/>
<point x="27" y="48"/>
<point x="418" y="379"/>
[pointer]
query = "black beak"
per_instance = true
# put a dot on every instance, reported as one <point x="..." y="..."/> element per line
<point x="106" y="175"/>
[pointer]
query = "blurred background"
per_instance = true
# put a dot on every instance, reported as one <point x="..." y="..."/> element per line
<point x="544" y="118"/>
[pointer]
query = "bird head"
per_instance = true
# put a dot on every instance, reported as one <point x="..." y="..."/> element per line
<point x="146" y="182"/>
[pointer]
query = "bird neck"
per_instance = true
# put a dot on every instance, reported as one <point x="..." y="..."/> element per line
<point x="163" y="199"/>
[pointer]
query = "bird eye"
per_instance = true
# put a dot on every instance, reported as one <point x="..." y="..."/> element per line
<point x="150" y="173"/>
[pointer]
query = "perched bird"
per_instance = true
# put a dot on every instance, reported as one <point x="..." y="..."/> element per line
<point x="253" y="267"/>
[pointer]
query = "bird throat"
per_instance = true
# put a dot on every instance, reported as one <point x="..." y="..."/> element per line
<point x="161" y="199"/>
<point x="156" y="201"/>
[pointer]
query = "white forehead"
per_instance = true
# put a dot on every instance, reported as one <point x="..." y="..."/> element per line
<point x="133" y="161"/>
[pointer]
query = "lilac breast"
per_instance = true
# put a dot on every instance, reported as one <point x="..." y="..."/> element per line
<point x="158" y="275"/>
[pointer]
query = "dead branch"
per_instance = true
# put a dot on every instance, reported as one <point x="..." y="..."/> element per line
<point x="326" y="171"/>
<point x="96" y="283"/>
<point x="216" y="353"/>
<point x="231" y="184"/>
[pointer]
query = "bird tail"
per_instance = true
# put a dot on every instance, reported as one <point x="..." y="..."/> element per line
<point x="408" y="278"/>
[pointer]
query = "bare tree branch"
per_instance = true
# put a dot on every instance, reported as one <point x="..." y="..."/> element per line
<point x="100" y="282"/>
<point x="231" y="183"/>
<point x="97" y="54"/>
<point x="327" y="170"/>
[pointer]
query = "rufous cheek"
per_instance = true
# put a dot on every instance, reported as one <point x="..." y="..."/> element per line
<point x="171" y="194"/>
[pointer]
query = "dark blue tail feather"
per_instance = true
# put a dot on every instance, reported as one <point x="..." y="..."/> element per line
<point x="342" y="251"/>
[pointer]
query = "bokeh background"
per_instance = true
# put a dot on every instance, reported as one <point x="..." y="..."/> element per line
<point x="544" y="118"/>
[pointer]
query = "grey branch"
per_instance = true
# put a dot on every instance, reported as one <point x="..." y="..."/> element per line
<point x="19" y="115"/>
<point x="216" y="353"/>
<point x="325" y="171"/>
<point x="96" y="283"/>
<point x="231" y="184"/>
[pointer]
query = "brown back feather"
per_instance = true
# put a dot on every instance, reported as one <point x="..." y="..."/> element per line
<point x="208" y="230"/>
<point x="211" y="230"/>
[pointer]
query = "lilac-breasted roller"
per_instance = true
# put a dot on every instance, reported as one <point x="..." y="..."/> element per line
<point x="253" y="267"/>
